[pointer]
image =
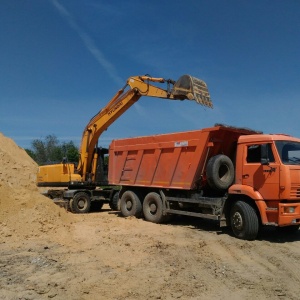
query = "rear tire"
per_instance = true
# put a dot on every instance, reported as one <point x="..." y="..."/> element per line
<point x="81" y="203"/>
<point x="70" y="206"/>
<point x="153" y="208"/>
<point x="114" y="204"/>
<point x="244" y="221"/>
<point x="130" y="205"/>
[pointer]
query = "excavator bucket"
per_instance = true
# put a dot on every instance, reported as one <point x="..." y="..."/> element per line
<point x="192" y="88"/>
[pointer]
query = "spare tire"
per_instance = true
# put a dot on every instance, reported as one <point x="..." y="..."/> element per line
<point x="220" y="172"/>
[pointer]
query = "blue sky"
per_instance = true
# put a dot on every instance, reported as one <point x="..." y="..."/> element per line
<point x="62" y="60"/>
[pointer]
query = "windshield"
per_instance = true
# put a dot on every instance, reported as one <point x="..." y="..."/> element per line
<point x="289" y="152"/>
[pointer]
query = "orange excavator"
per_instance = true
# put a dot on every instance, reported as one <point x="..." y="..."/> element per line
<point x="82" y="182"/>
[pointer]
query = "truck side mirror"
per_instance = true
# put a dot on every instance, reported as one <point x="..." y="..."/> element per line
<point x="264" y="156"/>
<point x="264" y="161"/>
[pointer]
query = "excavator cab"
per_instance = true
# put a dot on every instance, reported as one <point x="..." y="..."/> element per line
<point x="192" y="88"/>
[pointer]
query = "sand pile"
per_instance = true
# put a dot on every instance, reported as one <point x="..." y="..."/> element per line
<point x="23" y="211"/>
<point x="17" y="169"/>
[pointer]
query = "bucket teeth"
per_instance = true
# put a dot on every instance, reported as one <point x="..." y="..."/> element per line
<point x="192" y="88"/>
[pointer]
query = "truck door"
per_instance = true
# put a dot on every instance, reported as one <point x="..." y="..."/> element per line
<point x="263" y="178"/>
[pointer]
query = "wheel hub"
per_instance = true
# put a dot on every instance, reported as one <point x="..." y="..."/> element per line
<point x="128" y="205"/>
<point x="237" y="220"/>
<point x="81" y="203"/>
<point x="153" y="208"/>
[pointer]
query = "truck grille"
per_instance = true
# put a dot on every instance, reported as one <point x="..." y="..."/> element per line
<point x="295" y="191"/>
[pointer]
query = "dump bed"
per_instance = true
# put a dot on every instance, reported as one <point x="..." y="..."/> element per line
<point x="175" y="160"/>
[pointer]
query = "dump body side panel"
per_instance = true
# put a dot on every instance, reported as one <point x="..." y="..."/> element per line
<point x="169" y="161"/>
<point x="174" y="160"/>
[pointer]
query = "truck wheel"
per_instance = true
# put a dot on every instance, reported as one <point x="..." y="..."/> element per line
<point x="81" y="203"/>
<point x="153" y="208"/>
<point x="244" y="221"/>
<point x="114" y="203"/>
<point x="130" y="205"/>
<point x="220" y="172"/>
<point x="70" y="205"/>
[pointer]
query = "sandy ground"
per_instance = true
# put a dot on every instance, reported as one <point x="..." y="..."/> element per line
<point x="48" y="253"/>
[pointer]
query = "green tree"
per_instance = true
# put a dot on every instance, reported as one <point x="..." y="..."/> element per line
<point x="39" y="150"/>
<point x="50" y="150"/>
<point x="53" y="149"/>
<point x="71" y="151"/>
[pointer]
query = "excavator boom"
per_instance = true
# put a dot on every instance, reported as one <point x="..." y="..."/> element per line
<point x="187" y="87"/>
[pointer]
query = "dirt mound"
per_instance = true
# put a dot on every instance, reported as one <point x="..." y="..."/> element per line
<point x="17" y="169"/>
<point x="23" y="211"/>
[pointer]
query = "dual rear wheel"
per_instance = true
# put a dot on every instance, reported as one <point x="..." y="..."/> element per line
<point x="152" y="207"/>
<point x="131" y="205"/>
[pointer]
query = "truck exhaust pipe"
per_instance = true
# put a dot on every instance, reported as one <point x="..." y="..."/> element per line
<point x="192" y="88"/>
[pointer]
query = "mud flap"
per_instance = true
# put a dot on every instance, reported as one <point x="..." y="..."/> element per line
<point x="192" y="88"/>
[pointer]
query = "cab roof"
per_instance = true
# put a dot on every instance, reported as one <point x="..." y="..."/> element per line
<point x="259" y="138"/>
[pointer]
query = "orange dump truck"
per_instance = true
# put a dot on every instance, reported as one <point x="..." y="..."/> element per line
<point x="237" y="176"/>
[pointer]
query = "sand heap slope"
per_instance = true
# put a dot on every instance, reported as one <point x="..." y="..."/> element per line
<point x="23" y="211"/>
<point x="17" y="169"/>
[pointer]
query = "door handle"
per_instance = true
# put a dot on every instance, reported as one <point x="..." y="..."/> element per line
<point x="245" y="176"/>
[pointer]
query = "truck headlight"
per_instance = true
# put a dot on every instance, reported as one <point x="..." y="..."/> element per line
<point x="289" y="209"/>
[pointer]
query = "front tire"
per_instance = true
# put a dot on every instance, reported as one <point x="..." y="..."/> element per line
<point x="81" y="203"/>
<point x="244" y="221"/>
<point x="130" y="205"/>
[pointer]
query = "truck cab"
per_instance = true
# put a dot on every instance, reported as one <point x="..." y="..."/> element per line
<point x="268" y="172"/>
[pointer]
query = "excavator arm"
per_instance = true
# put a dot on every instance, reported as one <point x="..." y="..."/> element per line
<point x="187" y="87"/>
